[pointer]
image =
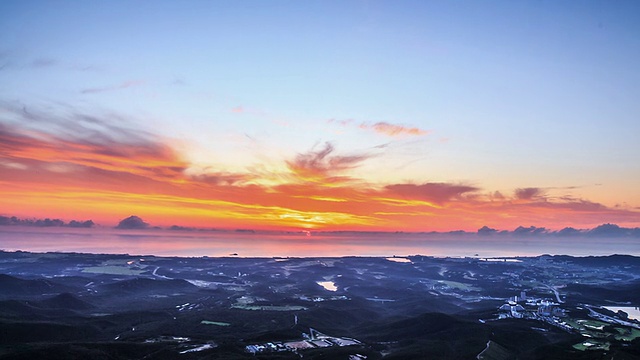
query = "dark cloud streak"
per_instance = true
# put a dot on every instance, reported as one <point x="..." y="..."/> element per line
<point x="528" y="193"/>
<point x="321" y="165"/>
<point x="435" y="192"/>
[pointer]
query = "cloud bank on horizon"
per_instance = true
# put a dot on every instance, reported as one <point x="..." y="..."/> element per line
<point x="218" y="123"/>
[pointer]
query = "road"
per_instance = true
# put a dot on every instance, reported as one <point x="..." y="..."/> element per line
<point x="155" y="273"/>
<point x="555" y="291"/>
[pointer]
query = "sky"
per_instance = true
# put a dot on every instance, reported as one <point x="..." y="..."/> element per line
<point x="322" y="115"/>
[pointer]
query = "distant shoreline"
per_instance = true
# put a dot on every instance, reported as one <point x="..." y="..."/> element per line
<point x="281" y="258"/>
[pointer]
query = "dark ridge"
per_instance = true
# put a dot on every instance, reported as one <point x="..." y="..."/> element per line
<point x="495" y="351"/>
<point x="433" y="335"/>
<point x="518" y="337"/>
<point x="420" y="326"/>
<point x="42" y="331"/>
<point x="66" y="301"/>
<point x="16" y="308"/>
<point x="601" y="261"/>
<point x="623" y="292"/>
<point x="13" y="286"/>
<point x="146" y="285"/>
<point x="97" y="351"/>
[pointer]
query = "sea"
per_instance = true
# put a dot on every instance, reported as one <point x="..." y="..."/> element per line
<point x="197" y="243"/>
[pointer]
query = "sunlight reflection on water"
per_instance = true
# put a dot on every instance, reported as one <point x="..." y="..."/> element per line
<point x="632" y="311"/>
<point x="328" y="285"/>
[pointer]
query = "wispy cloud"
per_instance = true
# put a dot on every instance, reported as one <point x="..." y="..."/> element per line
<point x="43" y="62"/>
<point x="84" y="140"/>
<point x="393" y="130"/>
<point x="18" y="60"/>
<point x="124" y="85"/>
<point x="322" y="166"/>
<point x="178" y="82"/>
<point x="383" y="128"/>
<point x="223" y="178"/>
<point x="343" y="122"/>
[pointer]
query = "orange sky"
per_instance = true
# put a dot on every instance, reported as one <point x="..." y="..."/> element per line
<point x="114" y="173"/>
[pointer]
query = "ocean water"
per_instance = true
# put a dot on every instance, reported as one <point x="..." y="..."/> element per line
<point x="246" y="244"/>
<point x="632" y="311"/>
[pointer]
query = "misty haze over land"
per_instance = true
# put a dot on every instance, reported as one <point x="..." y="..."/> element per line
<point x="135" y="222"/>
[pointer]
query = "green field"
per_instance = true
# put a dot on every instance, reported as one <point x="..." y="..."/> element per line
<point x="592" y="326"/>
<point x="458" y="285"/>
<point x="269" y="307"/>
<point x="217" y="323"/>
<point x="592" y="345"/>
<point x="627" y="334"/>
<point x="112" y="270"/>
